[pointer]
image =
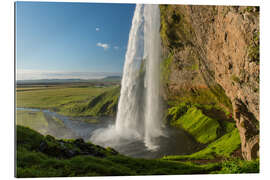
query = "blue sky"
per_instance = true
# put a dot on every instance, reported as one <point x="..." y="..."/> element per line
<point x="65" y="38"/>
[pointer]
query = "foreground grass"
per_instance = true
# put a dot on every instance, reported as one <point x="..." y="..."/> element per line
<point x="33" y="160"/>
<point x="61" y="158"/>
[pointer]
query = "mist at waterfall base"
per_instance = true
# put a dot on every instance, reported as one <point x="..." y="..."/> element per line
<point x="138" y="130"/>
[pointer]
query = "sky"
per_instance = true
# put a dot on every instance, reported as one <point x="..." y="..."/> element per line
<point x="71" y="40"/>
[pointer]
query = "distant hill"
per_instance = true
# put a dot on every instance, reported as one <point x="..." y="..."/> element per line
<point x="45" y="81"/>
<point x="112" y="78"/>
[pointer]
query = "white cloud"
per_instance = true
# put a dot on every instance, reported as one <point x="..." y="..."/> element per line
<point x="97" y="29"/>
<point x="103" y="45"/>
<point x="116" y="47"/>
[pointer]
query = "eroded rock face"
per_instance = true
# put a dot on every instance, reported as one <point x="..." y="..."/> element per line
<point x="217" y="45"/>
<point x="247" y="125"/>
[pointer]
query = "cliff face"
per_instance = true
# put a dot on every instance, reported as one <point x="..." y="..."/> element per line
<point x="211" y="56"/>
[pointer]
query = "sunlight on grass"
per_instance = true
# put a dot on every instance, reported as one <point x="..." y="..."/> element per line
<point x="34" y="120"/>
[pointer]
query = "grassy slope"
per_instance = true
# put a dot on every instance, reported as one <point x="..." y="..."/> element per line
<point x="220" y="135"/>
<point x="103" y="104"/>
<point x="201" y="127"/>
<point x="32" y="162"/>
<point x="52" y="162"/>
<point x="56" y="97"/>
<point x="222" y="147"/>
<point x="72" y="101"/>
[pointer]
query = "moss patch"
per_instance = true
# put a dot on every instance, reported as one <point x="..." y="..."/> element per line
<point x="213" y="97"/>
<point x="239" y="166"/>
<point x="175" y="29"/>
<point x="235" y="79"/>
<point x="254" y="49"/>
<point x="202" y="128"/>
<point x="222" y="147"/>
<point x="166" y="68"/>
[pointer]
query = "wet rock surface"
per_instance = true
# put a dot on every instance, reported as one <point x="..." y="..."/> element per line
<point x="216" y="46"/>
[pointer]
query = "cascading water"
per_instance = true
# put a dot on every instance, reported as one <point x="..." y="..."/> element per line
<point x="129" y="119"/>
<point x="152" y="54"/>
<point x="139" y="109"/>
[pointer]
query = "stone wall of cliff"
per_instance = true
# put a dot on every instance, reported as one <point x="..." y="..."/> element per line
<point x="211" y="56"/>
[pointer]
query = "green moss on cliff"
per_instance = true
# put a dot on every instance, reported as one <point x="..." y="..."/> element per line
<point x="166" y="69"/>
<point x="177" y="111"/>
<point x="203" y="128"/>
<point x="175" y="30"/>
<point x="222" y="147"/>
<point x="221" y="97"/>
<point x="214" y="96"/>
<point x="254" y="49"/>
<point x="178" y="35"/>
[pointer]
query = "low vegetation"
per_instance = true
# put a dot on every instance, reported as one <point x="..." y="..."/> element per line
<point x="237" y="166"/>
<point x="104" y="104"/>
<point x="44" y="156"/>
<point x="165" y="69"/>
<point x="70" y="100"/>
<point x="171" y="25"/>
<point x="223" y="147"/>
<point x="254" y="48"/>
<point x="203" y="128"/>
<point x="32" y="119"/>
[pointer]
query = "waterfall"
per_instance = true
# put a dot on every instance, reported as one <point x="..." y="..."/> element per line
<point x="129" y="119"/>
<point x="139" y="114"/>
<point x="152" y="54"/>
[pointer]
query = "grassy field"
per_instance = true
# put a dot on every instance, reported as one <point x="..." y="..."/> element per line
<point x="34" y="120"/>
<point x="63" y="98"/>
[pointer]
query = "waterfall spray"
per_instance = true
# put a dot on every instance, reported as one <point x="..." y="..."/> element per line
<point x="139" y="111"/>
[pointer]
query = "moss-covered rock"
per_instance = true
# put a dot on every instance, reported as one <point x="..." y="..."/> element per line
<point x="32" y="140"/>
<point x="203" y="128"/>
<point x="215" y="61"/>
<point x="223" y="147"/>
